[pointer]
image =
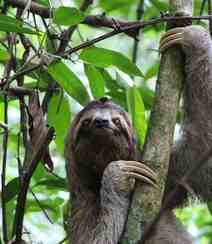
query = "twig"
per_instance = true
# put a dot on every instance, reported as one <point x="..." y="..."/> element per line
<point x="135" y="25"/>
<point x="7" y="71"/>
<point x="3" y="174"/>
<point x="41" y="207"/>
<point x="21" y="200"/>
<point x="99" y="20"/>
<point x="140" y="12"/>
<point x="33" y="8"/>
<point x="66" y="35"/>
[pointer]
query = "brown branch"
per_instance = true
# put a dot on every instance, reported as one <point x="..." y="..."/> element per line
<point x="66" y="35"/>
<point x="128" y="27"/>
<point x="140" y="13"/>
<point x="95" y="20"/>
<point x="34" y="8"/>
<point x="7" y="71"/>
<point x="21" y="200"/>
<point x="134" y="26"/>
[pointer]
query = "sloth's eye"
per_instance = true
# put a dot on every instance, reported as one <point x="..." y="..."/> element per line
<point x="86" y="121"/>
<point x="117" y="121"/>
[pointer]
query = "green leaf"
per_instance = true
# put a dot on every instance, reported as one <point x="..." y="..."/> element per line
<point x="4" y="55"/>
<point x="67" y="16"/>
<point x="43" y="2"/>
<point x="69" y="82"/>
<point x="112" y="5"/>
<point x="9" y="24"/>
<point x="160" y="5"/>
<point x="53" y="183"/>
<point x="114" y="89"/>
<point x="100" y="57"/>
<point x="147" y="96"/>
<point x="50" y="204"/>
<point x="59" y="116"/>
<point x="104" y="58"/>
<point x="96" y="81"/>
<point x="11" y="189"/>
<point x="137" y="111"/>
<point x="124" y="64"/>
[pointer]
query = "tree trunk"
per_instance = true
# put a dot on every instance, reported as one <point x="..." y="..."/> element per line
<point x="146" y="202"/>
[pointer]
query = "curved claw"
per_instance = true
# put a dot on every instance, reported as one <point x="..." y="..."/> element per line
<point x="171" y="38"/>
<point x="141" y="178"/>
<point x="140" y="171"/>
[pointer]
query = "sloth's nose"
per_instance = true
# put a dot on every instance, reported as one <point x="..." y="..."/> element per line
<point x="100" y="123"/>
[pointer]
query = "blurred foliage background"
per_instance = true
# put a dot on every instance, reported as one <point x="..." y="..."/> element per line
<point x="118" y="67"/>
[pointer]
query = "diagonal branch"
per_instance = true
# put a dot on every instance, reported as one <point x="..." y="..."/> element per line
<point x="24" y="187"/>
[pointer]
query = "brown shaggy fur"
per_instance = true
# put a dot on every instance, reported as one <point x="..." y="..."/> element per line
<point x="99" y="205"/>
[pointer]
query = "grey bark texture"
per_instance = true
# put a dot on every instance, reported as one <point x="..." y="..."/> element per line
<point x="146" y="202"/>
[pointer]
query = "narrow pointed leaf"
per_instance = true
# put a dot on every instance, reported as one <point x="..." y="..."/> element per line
<point x="4" y="55"/>
<point x="9" y="24"/>
<point x="59" y="117"/>
<point x="96" y="81"/>
<point x="137" y="111"/>
<point x="69" y="82"/>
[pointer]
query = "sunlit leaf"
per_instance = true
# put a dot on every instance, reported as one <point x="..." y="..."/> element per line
<point x="160" y="5"/>
<point x="137" y="112"/>
<point x="59" y="117"/>
<point x="147" y="96"/>
<point x="96" y="81"/>
<point x="69" y="82"/>
<point x="9" y="24"/>
<point x="67" y="16"/>
<point x="49" y="204"/>
<point x="53" y="183"/>
<point x="112" y="5"/>
<point x="4" y="56"/>
<point x="104" y="58"/>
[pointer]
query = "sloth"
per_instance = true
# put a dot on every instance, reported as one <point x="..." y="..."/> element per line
<point x="102" y="154"/>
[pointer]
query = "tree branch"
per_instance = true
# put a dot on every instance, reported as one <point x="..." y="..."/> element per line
<point x="126" y="28"/>
<point x="146" y="203"/>
<point x="21" y="200"/>
<point x="140" y="13"/>
<point x="34" y="7"/>
<point x="66" y="35"/>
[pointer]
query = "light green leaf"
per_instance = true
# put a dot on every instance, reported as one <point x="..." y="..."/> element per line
<point x="4" y="56"/>
<point x="69" y="82"/>
<point x="53" y="183"/>
<point x="112" y="5"/>
<point x="104" y="58"/>
<point x="137" y="111"/>
<point x="67" y="16"/>
<point x="96" y="81"/>
<point x="100" y="57"/>
<point x="9" y="24"/>
<point x="160" y="5"/>
<point x="59" y="116"/>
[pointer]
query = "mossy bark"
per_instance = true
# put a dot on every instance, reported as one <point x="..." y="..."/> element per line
<point x="146" y="201"/>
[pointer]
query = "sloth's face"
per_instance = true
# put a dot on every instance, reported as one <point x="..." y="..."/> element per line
<point x="102" y="133"/>
<point x="103" y="123"/>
